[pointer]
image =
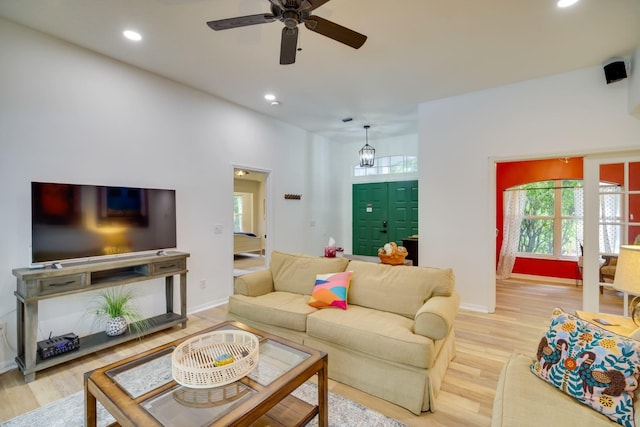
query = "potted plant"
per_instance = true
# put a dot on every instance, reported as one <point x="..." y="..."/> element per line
<point x="115" y="308"/>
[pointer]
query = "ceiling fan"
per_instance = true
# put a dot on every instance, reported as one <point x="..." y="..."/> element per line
<point x="292" y="13"/>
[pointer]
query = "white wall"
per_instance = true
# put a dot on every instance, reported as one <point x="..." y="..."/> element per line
<point x="634" y="83"/>
<point x="70" y="115"/>
<point x="460" y="137"/>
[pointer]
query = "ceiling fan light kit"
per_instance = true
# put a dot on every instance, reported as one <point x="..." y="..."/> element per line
<point x="292" y="13"/>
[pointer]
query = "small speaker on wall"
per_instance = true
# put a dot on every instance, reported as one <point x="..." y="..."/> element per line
<point x="615" y="70"/>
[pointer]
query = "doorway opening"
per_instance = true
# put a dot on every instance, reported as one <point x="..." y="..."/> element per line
<point x="581" y="236"/>
<point x="249" y="220"/>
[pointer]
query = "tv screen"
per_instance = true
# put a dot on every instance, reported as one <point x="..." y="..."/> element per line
<point x="80" y="221"/>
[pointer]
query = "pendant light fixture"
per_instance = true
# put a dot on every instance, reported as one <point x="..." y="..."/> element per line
<point x="367" y="153"/>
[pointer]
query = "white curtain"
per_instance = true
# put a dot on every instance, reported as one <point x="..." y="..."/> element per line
<point x="610" y="220"/>
<point x="578" y="203"/>
<point x="514" y="202"/>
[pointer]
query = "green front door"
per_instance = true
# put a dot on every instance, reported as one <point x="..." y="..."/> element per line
<point x="383" y="212"/>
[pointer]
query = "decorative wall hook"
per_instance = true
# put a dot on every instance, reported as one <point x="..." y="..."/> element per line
<point x="293" y="196"/>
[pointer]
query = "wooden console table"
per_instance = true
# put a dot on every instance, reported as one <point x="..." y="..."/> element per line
<point x="38" y="284"/>
<point x="375" y="259"/>
<point x="411" y="243"/>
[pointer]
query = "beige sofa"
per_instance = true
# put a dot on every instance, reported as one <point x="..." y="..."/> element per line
<point x="524" y="400"/>
<point x="394" y="341"/>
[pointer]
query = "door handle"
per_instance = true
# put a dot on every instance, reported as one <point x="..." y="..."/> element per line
<point x="383" y="231"/>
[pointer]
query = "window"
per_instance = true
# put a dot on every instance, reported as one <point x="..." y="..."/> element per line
<point x="611" y="218"/>
<point x="389" y="165"/>
<point x="237" y="212"/>
<point x="242" y="212"/>
<point x="552" y="222"/>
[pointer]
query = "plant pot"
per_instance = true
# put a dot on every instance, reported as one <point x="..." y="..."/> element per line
<point x="116" y="326"/>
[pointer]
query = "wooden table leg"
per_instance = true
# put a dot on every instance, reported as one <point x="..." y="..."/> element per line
<point x="29" y="339"/>
<point x="183" y="298"/>
<point x="323" y="394"/>
<point x="168" y="289"/>
<point x="90" y="414"/>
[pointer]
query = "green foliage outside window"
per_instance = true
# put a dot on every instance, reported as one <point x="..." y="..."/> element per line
<point x="547" y="228"/>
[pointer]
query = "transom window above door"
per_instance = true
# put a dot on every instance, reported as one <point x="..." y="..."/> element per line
<point x="388" y="165"/>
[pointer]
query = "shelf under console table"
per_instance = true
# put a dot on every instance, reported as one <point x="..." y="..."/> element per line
<point x="34" y="285"/>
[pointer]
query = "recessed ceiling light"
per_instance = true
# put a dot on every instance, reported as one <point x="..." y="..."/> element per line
<point x="132" y="35"/>
<point x="566" y="3"/>
<point x="275" y="103"/>
<point x="270" y="97"/>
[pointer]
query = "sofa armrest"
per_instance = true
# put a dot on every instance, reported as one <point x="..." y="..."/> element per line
<point x="435" y="318"/>
<point x="254" y="284"/>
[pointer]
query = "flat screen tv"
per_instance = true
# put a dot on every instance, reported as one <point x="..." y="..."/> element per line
<point x="70" y="221"/>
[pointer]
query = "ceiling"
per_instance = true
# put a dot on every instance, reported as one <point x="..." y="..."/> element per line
<point x="416" y="51"/>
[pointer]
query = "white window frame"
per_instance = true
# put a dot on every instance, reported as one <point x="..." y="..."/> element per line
<point x="384" y="166"/>
<point x="557" y="219"/>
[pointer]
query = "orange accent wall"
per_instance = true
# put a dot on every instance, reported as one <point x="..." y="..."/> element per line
<point x="509" y="174"/>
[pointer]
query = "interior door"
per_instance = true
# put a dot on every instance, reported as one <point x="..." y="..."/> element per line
<point x="383" y="212"/>
<point x="612" y="216"/>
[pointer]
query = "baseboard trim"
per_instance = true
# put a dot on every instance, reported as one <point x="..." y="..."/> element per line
<point x="7" y="366"/>
<point x="474" y="307"/>
<point x="542" y="279"/>
<point x="214" y="304"/>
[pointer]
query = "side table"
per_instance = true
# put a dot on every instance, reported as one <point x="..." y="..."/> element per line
<point x="620" y="325"/>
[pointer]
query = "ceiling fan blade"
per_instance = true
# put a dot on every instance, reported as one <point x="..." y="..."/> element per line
<point x="241" y="21"/>
<point x="335" y="31"/>
<point x="288" y="45"/>
<point x="310" y="5"/>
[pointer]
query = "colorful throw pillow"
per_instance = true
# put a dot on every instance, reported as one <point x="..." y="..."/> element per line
<point x="596" y="367"/>
<point x="331" y="290"/>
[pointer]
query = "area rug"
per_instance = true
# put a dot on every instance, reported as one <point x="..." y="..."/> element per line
<point x="69" y="412"/>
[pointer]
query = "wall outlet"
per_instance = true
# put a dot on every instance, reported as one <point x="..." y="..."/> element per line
<point x="203" y="284"/>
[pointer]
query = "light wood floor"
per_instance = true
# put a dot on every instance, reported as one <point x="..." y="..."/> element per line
<point x="484" y="342"/>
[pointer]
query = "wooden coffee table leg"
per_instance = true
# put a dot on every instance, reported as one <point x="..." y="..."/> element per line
<point x="323" y="395"/>
<point x="90" y="415"/>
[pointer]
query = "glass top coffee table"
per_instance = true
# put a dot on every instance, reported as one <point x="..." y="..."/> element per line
<point x="140" y="391"/>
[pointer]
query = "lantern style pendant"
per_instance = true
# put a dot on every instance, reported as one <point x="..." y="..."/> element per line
<point x="367" y="153"/>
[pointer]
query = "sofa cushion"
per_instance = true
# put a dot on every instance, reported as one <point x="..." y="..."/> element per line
<point x="595" y="366"/>
<point x="331" y="290"/>
<point x="297" y="273"/>
<point x="383" y="335"/>
<point x="523" y="400"/>
<point x="282" y="309"/>
<point x="397" y="289"/>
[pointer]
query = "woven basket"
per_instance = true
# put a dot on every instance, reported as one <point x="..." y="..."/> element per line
<point x="393" y="259"/>
<point x="194" y="360"/>
<point x="210" y="397"/>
